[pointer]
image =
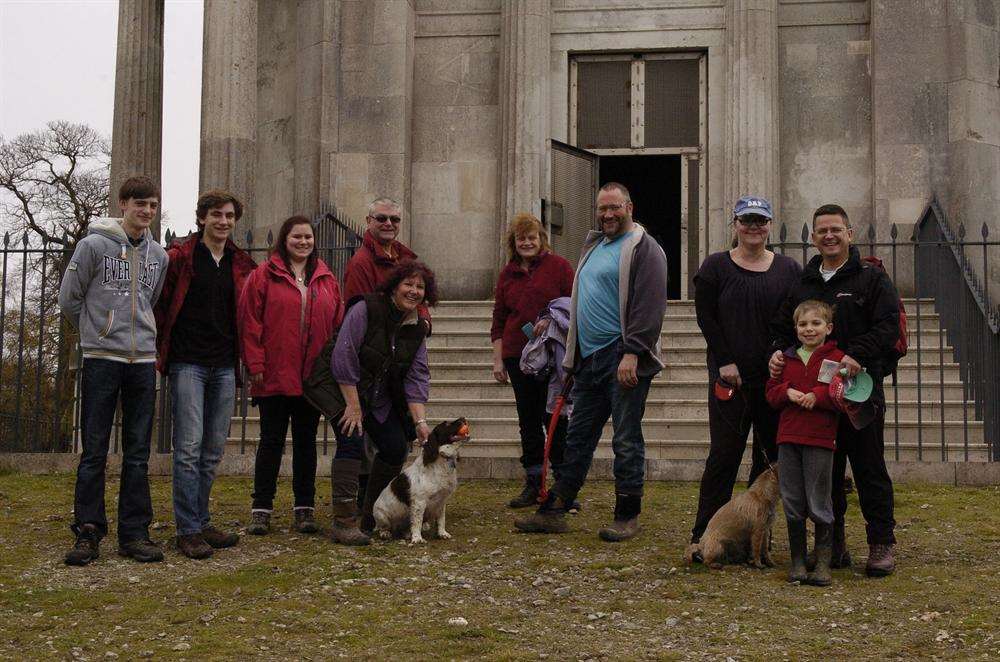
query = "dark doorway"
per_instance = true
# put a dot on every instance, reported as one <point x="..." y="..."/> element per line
<point x="655" y="185"/>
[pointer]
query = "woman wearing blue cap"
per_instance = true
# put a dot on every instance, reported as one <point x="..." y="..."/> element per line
<point x="737" y="293"/>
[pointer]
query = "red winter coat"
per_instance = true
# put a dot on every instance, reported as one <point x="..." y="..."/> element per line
<point x="807" y="427"/>
<point x="180" y="271"/>
<point x="269" y="314"/>
<point x="521" y="295"/>
<point x="370" y="265"/>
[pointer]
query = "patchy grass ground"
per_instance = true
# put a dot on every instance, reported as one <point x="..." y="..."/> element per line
<point x="524" y="597"/>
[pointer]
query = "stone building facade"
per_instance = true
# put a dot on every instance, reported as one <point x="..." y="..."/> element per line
<point x="452" y="107"/>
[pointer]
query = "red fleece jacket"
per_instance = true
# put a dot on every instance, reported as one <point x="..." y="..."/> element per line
<point x="370" y="265"/>
<point x="807" y="427"/>
<point x="521" y="295"/>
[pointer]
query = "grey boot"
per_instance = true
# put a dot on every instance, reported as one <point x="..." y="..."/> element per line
<point x="532" y="484"/>
<point x="344" y="476"/>
<point x="381" y="475"/>
<point x="626" y="523"/>
<point x="820" y="576"/>
<point x="797" y="549"/>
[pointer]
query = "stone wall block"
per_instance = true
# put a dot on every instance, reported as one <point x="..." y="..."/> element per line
<point x="439" y="187"/>
<point x="477" y="183"/>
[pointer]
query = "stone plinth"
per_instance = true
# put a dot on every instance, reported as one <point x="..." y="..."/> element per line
<point x="136" y="135"/>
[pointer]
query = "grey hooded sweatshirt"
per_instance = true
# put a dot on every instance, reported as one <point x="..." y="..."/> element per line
<point x="108" y="292"/>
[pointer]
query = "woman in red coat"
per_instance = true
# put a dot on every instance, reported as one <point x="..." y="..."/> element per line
<point x="290" y="307"/>
<point x="533" y="277"/>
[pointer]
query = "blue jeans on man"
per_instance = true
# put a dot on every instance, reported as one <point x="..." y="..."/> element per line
<point x="597" y="395"/>
<point x="202" y="400"/>
<point x="102" y="381"/>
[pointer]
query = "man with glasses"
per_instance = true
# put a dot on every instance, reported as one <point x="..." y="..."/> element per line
<point x="379" y="252"/>
<point x="613" y="352"/>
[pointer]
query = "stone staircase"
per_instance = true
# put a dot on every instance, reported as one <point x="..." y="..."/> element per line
<point x="676" y="421"/>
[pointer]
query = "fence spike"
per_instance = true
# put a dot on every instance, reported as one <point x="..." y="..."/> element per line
<point x="249" y="238"/>
<point x="893" y="232"/>
<point x="961" y="230"/>
<point x="805" y="233"/>
<point x="6" y="239"/>
<point x="24" y="239"/>
<point x="871" y="232"/>
<point x="270" y="237"/>
<point x="986" y="231"/>
<point x="782" y="233"/>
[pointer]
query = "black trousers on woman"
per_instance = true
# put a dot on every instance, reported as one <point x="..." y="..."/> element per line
<point x="531" y="396"/>
<point x="275" y="413"/>
<point x="729" y="424"/>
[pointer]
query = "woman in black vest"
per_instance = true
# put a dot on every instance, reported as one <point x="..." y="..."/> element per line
<point x="379" y="363"/>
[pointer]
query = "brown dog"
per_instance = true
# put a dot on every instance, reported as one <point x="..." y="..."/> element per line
<point x="739" y="532"/>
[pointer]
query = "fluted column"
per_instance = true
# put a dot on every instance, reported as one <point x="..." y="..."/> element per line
<point x="524" y="99"/>
<point x="229" y="100"/>
<point x="752" y="107"/>
<point x="136" y="136"/>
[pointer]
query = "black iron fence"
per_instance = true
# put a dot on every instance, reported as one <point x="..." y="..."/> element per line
<point x="944" y="403"/>
<point x="39" y="349"/>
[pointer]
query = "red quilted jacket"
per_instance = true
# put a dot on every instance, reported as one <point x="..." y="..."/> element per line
<point x="808" y="427"/>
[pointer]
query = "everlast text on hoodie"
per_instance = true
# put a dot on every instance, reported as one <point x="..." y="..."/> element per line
<point x="108" y="292"/>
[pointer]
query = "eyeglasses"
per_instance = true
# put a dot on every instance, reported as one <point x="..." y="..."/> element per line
<point x="382" y="218"/>
<point x="753" y="219"/>
<point x="614" y="209"/>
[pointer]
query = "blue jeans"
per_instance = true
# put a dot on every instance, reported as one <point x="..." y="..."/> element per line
<point x="202" y="400"/>
<point x="597" y="395"/>
<point x="102" y="381"/>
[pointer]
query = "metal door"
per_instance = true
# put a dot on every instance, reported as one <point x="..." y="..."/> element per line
<point x="574" y="194"/>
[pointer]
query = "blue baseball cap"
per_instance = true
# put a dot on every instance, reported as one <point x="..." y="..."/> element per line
<point x="752" y="204"/>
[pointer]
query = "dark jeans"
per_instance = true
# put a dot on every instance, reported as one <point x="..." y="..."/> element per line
<point x="388" y="437"/>
<point x="531" y="395"/>
<point x="865" y="449"/>
<point x="275" y="412"/>
<point x="102" y="382"/>
<point x="729" y="424"/>
<point x="597" y="395"/>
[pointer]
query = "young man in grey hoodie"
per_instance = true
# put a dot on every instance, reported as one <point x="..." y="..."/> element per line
<point x="107" y="292"/>
<point x="613" y="352"/>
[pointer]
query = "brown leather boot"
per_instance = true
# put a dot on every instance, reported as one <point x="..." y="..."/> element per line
<point x="881" y="562"/>
<point x="549" y="518"/>
<point x="626" y="522"/>
<point x="193" y="546"/>
<point x="344" y="477"/>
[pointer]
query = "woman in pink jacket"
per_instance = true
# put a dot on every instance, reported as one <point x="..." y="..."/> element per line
<point x="290" y="307"/>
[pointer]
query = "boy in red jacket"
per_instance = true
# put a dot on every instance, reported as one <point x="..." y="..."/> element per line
<point x="807" y="433"/>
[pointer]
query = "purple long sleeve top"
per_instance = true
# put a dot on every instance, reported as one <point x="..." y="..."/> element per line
<point x="346" y="366"/>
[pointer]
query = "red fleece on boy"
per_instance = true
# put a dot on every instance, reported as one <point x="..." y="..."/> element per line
<point x="807" y="427"/>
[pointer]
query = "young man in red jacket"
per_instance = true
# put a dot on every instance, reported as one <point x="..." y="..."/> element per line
<point x="807" y="433"/>
<point x="198" y="348"/>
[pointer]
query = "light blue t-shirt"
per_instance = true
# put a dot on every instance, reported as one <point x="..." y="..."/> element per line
<point x="598" y="318"/>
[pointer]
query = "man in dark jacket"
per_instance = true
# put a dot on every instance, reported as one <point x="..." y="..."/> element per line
<point x="865" y="326"/>
<point x="199" y="349"/>
<point x="613" y="351"/>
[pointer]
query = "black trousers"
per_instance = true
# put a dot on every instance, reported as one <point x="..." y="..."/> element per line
<point x="275" y="413"/>
<point x="531" y="395"/>
<point x="865" y="449"/>
<point x="729" y="424"/>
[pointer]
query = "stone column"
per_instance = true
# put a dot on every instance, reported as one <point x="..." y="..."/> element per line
<point x="229" y="101"/>
<point x="752" y="108"/>
<point x="136" y="135"/>
<point x="524" y="107"/>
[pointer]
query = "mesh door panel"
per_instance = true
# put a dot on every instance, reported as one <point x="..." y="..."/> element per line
<point x="574" y="175"/>
<point x="671" y="104"/>
<point x="603" y="109"/>
<point x="693" y="224"/>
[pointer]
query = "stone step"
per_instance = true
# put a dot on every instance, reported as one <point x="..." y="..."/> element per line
<point x="484" y="353"/>
<point x="487" y="388"/>
<point x="907" y="410"/>
<point x="670" y="338"/>
<point x="690" y="371"/>
<point x="462" y="321"/>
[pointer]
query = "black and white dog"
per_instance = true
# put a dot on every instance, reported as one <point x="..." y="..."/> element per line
<point x="418" y="494"/>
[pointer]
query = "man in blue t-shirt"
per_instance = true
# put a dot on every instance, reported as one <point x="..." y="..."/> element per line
<point x="613" y="353"/>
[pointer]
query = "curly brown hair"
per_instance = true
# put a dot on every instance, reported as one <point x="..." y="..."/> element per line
<point x="521" y="225"/>
<point x="404" y="270"/>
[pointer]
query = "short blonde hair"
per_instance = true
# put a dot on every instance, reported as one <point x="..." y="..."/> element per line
<point x="522" y="225"/>
<point x="823" y="310"/>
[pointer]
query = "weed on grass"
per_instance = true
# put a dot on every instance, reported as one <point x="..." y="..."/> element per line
<point x="491" y="593"/>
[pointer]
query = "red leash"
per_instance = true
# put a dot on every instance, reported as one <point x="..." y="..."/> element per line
<point x="543" y="492"/>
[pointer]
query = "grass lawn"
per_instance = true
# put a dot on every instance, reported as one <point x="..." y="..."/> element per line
<point x="288" y="596"/>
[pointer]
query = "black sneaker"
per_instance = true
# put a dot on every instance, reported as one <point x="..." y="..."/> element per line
<point x="86" y="548"/>
<point x="143" y="551"/>
<point x="527" y="497"/>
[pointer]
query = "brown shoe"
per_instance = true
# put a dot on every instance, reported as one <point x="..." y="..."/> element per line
<point x="549" y="518"/>
<point x="880" y="561"/>
<point x="626" y="523"/>
<point x="86" y="548"/>
<point x="217" y="539"/>
<point x="305" y="522"/>
<point x="193" y="546"/>
<point x="345" y="529"/>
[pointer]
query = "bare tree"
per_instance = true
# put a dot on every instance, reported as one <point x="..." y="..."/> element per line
<point x="55" y="181"/>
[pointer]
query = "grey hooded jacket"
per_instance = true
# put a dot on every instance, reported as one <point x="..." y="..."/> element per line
<point x="642" y="299"/>
<point x="108" y="292"/>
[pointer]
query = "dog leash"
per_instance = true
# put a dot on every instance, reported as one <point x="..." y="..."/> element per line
<point x="543" y="490"/>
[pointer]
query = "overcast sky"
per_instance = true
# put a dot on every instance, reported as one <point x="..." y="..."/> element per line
<point x="57" y="62"/>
